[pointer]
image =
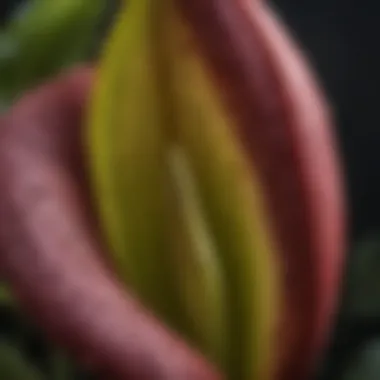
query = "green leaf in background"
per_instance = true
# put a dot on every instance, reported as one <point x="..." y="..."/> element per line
<point x="44" y="37"/>
<point x="5" y="295"/>
<point x="366" y="364"/>
<point x="61" y="367"/>
<point x="362" y="289"/>
<point x="13" y="366"/>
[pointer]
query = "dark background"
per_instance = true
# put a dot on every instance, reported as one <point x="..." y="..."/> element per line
<point x="341" y="38"/>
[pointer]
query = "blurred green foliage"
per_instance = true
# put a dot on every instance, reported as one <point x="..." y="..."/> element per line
<point x="42" y="38"/>
<point x="355" y="348"/>
<point x="365" y="364"/>
<point x="361" y="298"/>
<point x="13" y="365"/>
